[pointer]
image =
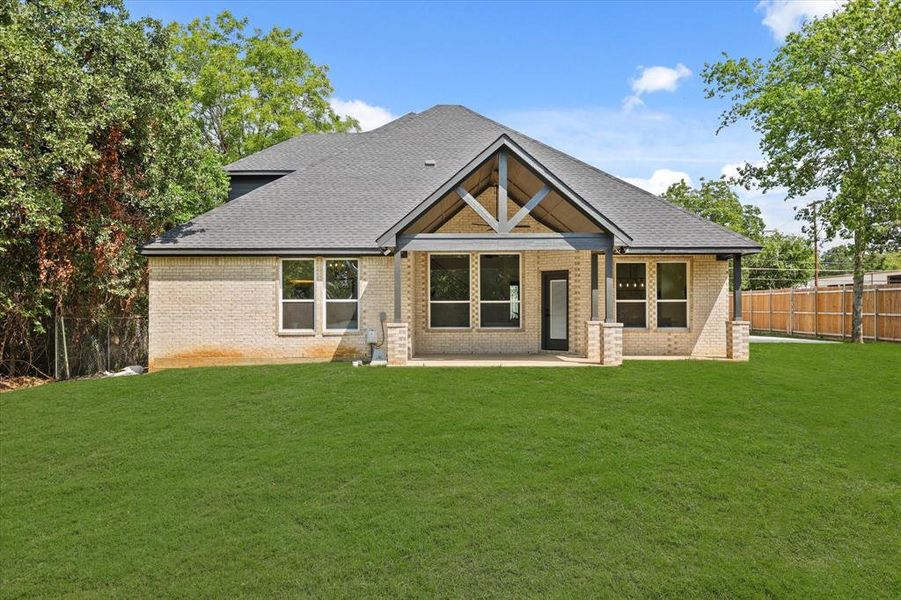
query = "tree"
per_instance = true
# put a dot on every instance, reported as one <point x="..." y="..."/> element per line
<point x="249" y="91"/>
<point x="841" y="258"/>
<point x="717" y="202"/>
<point x="785" y="261"/>
<point x="98" y="153"/>
<point x="828" y="110"/>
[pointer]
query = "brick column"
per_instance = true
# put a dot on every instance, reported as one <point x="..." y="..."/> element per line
<point x="737" y="334"/>
<point x="611" y="344"/>
<point x="397" y="344"/>
<point x="593" y="341"/>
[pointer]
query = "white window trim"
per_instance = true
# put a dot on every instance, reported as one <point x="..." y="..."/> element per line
<point x="428" y="282"/>
<point x="326" y="300"/>
<point x="616" y="300"/>
<point x="282" y="300"/>
<point x="687" y="300"/>
<point x="479" y="292"/>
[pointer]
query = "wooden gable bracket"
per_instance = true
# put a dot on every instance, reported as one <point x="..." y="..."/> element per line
<point x="478" y="208"/>
<point x="506" y="226"/>
<point x="502" y="224"/>
<point x="527" y="208"/>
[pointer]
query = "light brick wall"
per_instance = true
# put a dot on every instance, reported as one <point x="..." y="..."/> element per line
<point x="708" y="309"/>
<point x="219" y="310"/>
<point x="398" y="343"/>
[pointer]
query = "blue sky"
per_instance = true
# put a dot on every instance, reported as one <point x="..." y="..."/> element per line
<point x="616" y="84"/>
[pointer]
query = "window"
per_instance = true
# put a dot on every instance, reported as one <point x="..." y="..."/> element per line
<point x="631" y="294"/>
<point x="672" y="294"/>
<point x="499" y="290"/>
<point x="341" y="294"/>
<point x="297" y="301"/>
<point x="448" y="290"/>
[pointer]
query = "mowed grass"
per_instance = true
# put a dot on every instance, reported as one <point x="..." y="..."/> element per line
<point x="780" y="477"/>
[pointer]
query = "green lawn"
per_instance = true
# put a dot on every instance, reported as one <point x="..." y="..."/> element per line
<point x="781" y="477"/>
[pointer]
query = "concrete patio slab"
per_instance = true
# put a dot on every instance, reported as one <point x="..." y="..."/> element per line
<point x="500" y="360"/>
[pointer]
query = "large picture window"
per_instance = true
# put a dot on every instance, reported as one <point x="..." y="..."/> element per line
<point x="298" y="297"/>
<point x="448" y="290"/>
<point x="672" y="294"/>
<point x="500" y="294"/>
<point x="342" y="295"/>
<point x="631" y="294"/>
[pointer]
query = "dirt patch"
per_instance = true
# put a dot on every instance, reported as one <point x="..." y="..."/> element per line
<point x="210" y="353"/>
<point x="331" y="351"/>
<point x="9" y="384"/>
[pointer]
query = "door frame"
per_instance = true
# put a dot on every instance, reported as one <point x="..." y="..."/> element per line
<point x="546" y="342"/>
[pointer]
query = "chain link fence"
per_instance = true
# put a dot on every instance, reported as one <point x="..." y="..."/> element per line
<point x="83" y="347"/>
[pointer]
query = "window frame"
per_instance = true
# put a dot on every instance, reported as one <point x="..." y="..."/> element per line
<point x="428" y="291"/>
<point x="616" y="299"/>
<point x="479" y="301"/>
<point x="687" y="300"/>
<point x="282" y="299"/>
<point x="326" y="299"/>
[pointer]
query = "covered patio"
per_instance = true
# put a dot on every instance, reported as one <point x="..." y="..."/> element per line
<point x="505" y="207"/>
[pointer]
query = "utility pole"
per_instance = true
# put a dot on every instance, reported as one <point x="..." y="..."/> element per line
<point x="816" y="243"/>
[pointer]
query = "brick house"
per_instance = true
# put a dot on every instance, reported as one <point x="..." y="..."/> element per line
<point x="442" y="232"/>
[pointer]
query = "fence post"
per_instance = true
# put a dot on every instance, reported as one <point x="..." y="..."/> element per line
<point x="108" y="367"/>
<point x="816" y="312"/>
<point x="56" y="344"/>
<point x="770" y="299"/>
<point x="876" y="314"/>
<point x="844" y="293"/>
<point x="791" y="309"/>
<point x="62" y="322"/>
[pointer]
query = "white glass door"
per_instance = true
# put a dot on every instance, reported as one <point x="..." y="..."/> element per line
<point x="558" y="297"/>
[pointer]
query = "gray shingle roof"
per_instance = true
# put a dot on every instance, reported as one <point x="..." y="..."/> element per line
<point x="348" y="189"/>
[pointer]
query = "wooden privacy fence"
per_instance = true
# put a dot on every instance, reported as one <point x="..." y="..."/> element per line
<point x="823" y="311"/>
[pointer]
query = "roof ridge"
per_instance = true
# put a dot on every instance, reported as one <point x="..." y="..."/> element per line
<point x="611" y="176"/>
<point x="367" y="140"/>
<point x="293" y="138"/>
<point x="380" y="129"/>
<point x="392" y="123"/>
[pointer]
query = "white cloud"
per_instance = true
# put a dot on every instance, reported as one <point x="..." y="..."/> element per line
<point x="785" y="16"/>
<point x="368" y="115"/>
<point x="660" y="180"/>
<point x="654" y="79"/>
<point x="659" y="79"/>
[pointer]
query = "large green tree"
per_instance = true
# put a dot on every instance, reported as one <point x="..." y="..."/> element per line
<point x="827" y="107"/>
<point x="98" y="152"/>
<point x="251" y="90"/>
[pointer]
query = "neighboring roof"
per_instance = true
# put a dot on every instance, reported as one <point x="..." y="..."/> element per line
<point x="869" y="278"/>
<point x="346" y="190"/>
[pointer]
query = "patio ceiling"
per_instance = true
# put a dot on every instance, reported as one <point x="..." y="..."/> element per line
<point x="552" y="210"/>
